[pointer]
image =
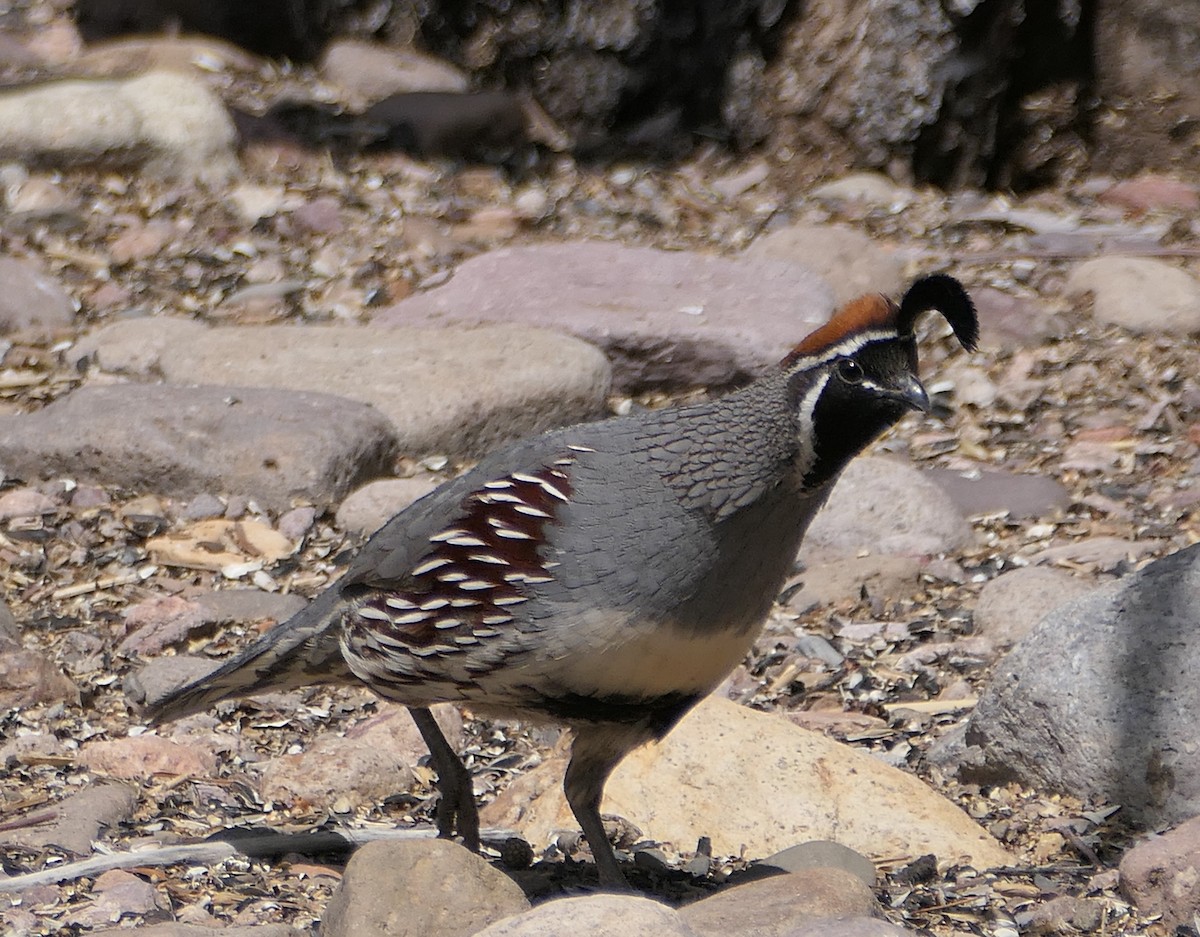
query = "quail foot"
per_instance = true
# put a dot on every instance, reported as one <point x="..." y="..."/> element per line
<point x="606" y="576"/>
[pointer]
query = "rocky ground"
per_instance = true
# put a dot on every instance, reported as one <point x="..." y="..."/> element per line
<point x="142" y="524"/>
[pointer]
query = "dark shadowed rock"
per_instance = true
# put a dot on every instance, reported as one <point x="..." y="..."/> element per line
<point x="824" y="854"/>
<point x="663" y="317"/>
<point x="272" y="445"/>
<point x="1099" y="700"/>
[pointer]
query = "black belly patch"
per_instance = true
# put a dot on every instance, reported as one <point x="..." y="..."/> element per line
<point x="657" y="714"/>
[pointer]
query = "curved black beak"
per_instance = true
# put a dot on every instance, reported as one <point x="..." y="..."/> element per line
<point x="912" y="394"/>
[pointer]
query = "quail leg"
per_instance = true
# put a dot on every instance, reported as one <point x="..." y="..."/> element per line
<point x="456" y="809"/>
<point x="593" y="756"/>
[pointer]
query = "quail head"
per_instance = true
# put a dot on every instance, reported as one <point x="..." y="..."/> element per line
<point x="609" y="575"/>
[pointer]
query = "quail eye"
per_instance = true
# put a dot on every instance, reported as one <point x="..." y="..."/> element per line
<point x="850" y="371"/>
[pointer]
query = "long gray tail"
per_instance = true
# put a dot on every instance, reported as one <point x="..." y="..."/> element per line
<point x="302" y="651"/>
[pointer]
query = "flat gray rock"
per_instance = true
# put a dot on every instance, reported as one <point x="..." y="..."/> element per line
<point x="663" y="317"/>
<point x="988" y="492"/>
<point x="274" y="446"/>
<point x="451" y="391"/>
<point x="1100" y="699"/>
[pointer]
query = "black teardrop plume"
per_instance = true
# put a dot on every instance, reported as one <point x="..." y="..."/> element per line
<point x="942" y="293"/>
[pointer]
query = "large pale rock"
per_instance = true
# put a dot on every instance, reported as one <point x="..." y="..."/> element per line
<point x="756" y="782"/>
<point x="1141" y="294"/>
<point x="884" y="506"/>
<point x="846" y="258"/>
<point x="774" y="907"/>
<point x="1100" y="699"/>
<point x="596" y="916"/>
<point x="452" y="391"/>
<point x="167" y="123"/>
<point x="663" y="317"/>
<point x="274" y="446"/>
<point x="419" y="888"/>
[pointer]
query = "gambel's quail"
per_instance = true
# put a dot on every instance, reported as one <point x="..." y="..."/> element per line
<point x="608" y="575"/>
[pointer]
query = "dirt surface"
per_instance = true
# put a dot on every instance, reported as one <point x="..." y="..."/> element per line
<point x="404" y="226"/>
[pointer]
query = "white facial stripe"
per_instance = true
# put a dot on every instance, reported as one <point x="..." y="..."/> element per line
<point x="807" y="454"/>
<point x="842" y="349"/>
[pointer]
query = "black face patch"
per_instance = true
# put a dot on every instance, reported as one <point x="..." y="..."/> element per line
<point x="862" y="397"/>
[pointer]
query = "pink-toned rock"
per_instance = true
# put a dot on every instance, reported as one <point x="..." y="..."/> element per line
<point x="322" y="215"/>
<point x="370" y="71"/>
<point x="987" y="492"/>
<point x="370" y="763"/>
<point x="143" y="755"/>
<point x="1012" y="603"/>
<point x="1152" y="192"/>
<point x="370" y="507"/>
<point x="28" y="677"/>
<point x="158" y="622"/>
<point x="885" y="506"/>
<point x="1162" y="874"/>
<point x="140" y="241"/>
<point x="1009" y="321"/>
<point x="296" y="523"/>
<point x="25" y="502"/>
<point x="164" y="620"/>
<point x="663" y="317"/>
<point x="117" y="893"/>
<point x="31" y="299"/>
